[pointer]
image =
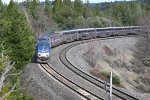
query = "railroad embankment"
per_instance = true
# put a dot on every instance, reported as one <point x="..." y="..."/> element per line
<point x="43" y="87"/>
<point x="117" y="55"/>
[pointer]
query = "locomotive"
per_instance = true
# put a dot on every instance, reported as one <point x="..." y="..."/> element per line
<point x="45" y="43"/>
<point x="43" y="48"/>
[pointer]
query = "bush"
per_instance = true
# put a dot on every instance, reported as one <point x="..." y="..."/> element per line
<point x="18" y="95"/>
<point x="146" y="63"/>
<point x="115" y="78"/>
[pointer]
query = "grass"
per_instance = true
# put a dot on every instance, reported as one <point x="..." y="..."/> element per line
<point x="106" y="76"/>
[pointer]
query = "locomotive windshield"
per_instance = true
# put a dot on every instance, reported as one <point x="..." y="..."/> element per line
<point x="43" y="38"/>
<point x="43" y="47"/>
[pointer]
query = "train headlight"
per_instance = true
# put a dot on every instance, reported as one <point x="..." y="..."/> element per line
<point x="47" y="55"/>
<point x="39" y="55"/>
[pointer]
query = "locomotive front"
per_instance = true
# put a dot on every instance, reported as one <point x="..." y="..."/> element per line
<point x="43" y="51"/>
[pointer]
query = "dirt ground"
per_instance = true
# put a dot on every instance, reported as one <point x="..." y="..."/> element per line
<point x="120" y="57"/>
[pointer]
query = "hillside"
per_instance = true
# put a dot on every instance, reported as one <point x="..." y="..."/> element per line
<point x="123" y="58"/>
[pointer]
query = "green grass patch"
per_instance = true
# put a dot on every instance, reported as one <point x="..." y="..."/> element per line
<point x="115" y="78"/>
<point x="106" y="76"/>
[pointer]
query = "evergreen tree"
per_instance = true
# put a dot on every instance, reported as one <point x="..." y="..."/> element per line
<point x="67" y="14"/>
<point x="121" y="13"/>
<point x="97" y="10"/>
<point x="57" y="12"/>
<point x="67" y="10"/>
<point x="67" y="3"/>
<point x="28" y="4"/>
<point x="127" y="14"/>
<point x="48" y="10"/>
<point x="79" y="21"/>
<point x="78" y="7"/>
<point x="18" y="35"/>
<point x="147" y="5"/>
<point x="1" y="6"/>
<point x="57" y="6"/>
<point x="34" y="8"/>
<point x="87" y="10"/>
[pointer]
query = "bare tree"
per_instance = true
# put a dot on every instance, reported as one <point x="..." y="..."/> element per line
<point x="6" y="67"/>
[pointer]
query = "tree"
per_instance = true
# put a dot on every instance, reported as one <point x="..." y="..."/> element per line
<point x="57" y="9"/>
<point x="1" y="7"/>
<point x="127" y="14"/>
<point x="67" y="10"/>
<point x="79" y="22"/>
<point x="57" y="12"/>
<point x="34" y="8"/>
<point x="48" y="10"/>
<point x="57" y="6"/>
<point x="78" y="7"/>
<point x="36" y="15"/>
<point x="87" y="10"/>
<point x="97" y="10"/>
<point x="16" y="49"/>
<point x="18" y="36"/>
<point x="147" y="2"/>
<point x="5" y="67"/>
<point x="28" y="4"/>
<point x="67" y="14"/>
<point x="67" y="3"/>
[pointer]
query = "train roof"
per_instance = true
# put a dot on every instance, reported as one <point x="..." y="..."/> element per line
<point x="43" y="42"/>
<point x="86" y="29"/>
<point x="120" y="27"/>
<point x="44" y="37"/>
<point x="74" y="30"/>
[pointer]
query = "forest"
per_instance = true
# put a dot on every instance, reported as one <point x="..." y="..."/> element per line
<point x="21" y="23"/>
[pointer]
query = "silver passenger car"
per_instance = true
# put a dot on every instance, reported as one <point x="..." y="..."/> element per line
<point x="56" y="40"/>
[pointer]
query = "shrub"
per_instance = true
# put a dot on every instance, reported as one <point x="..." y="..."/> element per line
<point x="115" y="78"/>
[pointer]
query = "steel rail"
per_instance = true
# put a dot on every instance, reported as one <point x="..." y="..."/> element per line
<point x="95" y="81"/>
<point x="73" y="86"/>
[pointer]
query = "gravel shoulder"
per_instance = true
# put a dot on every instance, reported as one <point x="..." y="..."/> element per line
<point x="44" y="87"/>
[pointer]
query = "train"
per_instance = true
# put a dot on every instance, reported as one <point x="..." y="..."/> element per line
<point x="43" y="47"/>
<point x="45" y="43"/>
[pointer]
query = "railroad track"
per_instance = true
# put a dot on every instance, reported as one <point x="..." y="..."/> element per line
<point x="87" y="95"/>
<point x="82" y="91"/>
<point x="99" y="83"/>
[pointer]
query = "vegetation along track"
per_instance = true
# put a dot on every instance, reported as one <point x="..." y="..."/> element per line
<point x="73" y="86"/>
<point x="99" y="83"/>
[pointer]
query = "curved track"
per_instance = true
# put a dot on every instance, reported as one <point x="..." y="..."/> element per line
<point x="94" y="91"/>
<point x="73" y="86"/>
<point x="99" y="83"/>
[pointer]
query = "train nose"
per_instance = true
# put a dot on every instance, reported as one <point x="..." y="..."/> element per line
<point x="43" y="58"/>
<point x="43" y="55"/>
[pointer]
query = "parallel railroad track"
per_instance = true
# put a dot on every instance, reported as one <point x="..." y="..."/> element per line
<point x="83" y="92"/>
<point x="73" y="86"/>
<point x="99" y="83"/>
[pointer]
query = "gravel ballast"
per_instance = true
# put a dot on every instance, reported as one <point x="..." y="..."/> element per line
<point x="76" y="56"/>
<point x="41" y="86"/>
